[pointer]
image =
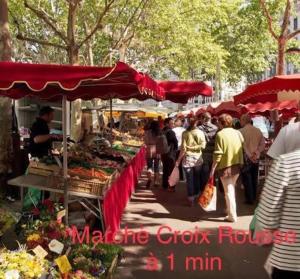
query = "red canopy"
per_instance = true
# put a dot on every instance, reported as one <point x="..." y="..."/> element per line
<point x="200" y="111"/>
<point x="182" y="91"/>
<point x="51" y="82"/>
<point x="211" y="109"/>
<point x="263" y="108"/>
<point x="271" y="90"/>
<point x="227" y="107"/>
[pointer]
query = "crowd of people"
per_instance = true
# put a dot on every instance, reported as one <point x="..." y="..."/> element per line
<point x="203" y="149"/>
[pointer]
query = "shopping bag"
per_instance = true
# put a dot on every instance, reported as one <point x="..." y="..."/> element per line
<point x="32" y="197"/>
<point x="252" y="225"/>
<point x="208" y="198"/>
<point x="174" y="177"/>
<point x="256" y="230"/>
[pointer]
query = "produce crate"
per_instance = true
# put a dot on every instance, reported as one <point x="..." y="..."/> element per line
<point x="42" y="169"/>
<point x="89" y="186"/>
<point x="92" y="187"/>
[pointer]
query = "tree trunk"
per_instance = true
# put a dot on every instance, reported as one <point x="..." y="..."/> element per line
<point x="90" y="53"/>
<point x="280" y="69"/>
<point x="5" y="103"/>
<point x="73" y="55"/>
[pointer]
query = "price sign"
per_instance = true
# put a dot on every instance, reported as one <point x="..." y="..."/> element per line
<point x="63" y="264"/>
<point x="40" y="252"/>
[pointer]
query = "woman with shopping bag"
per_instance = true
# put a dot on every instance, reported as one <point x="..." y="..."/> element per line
<point x="227" y="161"/>
<point x="193" y="142"/>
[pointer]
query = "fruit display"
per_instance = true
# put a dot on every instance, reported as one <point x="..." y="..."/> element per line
<point x="91" y="167"/>
<point x="133" y="142"/>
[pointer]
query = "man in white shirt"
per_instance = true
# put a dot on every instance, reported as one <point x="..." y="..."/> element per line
<point x="287" y="140"/>
<point x="254" y="144"/>
<point x="178" y="130"/>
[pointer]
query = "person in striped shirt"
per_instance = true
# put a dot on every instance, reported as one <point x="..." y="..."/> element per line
<point x="279" y="210"/>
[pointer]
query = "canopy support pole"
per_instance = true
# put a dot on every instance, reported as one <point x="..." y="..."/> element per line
<point x="65" y="157"/>
<point x="111" y="119"/>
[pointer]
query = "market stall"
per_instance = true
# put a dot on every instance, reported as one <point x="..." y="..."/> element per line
<point x="182" y="91"/>
<point x="287" y="108"/>
<point x="278" y="88"/>
<point x="227" y="107"/>
<point x="60" y="82"/>
<point x="278" y="96"/>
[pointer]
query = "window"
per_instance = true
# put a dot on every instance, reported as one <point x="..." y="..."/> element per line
<point x="295" y="23"/>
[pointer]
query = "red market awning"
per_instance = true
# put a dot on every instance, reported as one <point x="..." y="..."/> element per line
<point x="200" y="111"/>
<point x="182" y="91"/>
<point x="211" y="108"/>
<point x="227" y="107"/>
<point x="285" y="107"/>
<point x="51" y="82"/>
<point x="278" y="88"/>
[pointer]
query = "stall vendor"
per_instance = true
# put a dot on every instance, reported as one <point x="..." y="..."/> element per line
<point x="40" y="137"/>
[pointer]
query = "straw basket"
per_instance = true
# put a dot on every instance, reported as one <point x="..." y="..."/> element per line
<point x="87" y="185"/>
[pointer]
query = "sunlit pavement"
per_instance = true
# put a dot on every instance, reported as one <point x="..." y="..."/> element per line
<point x="202" y="258"/>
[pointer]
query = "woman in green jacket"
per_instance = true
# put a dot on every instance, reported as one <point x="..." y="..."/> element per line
<point x="227" y="160"/>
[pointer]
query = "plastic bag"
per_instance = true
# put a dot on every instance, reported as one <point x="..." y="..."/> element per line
<point x="32" y="198"/>
<point x="208" y="199"/>
<point x="256" y="230"/>
<point x="174" y="177"/>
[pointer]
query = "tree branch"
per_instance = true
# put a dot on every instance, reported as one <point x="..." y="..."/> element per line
<point x="42" y="15"/>
<point x="142" y="4"/>
<point x="293" y="34"/>
<point x="98" y="24"/>
<point x="286" y="18"/>
<point x="45" y="43"/>
<point x="269" y="18"/>
<point x="119" y="14"/>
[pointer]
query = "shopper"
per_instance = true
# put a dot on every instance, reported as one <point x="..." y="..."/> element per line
<point x="227" y="160"/>
<point x="178" y="130"/>
<point x="210" y="131"/>
<point x="254" y="144"/>
<point x="286" y="141"/>
<point x="152" y="157"/>
<point x="278" y="210"/>
<point x="169" y="158"/>
<point x="193" y="143"/>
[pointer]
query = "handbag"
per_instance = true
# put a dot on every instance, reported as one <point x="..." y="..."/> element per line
<point x="208" y="198"/>
<point x="174" y="177"/>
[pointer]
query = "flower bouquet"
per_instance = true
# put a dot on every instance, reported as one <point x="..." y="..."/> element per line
<point x="6" y="221"/>
<point x="44" y="212"/>
<point x="20" y="265"/>
<point x="43" y="232"/>
<point x="94" y="260"/>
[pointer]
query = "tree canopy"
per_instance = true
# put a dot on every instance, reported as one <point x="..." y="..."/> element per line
<point x="188" y="39"/>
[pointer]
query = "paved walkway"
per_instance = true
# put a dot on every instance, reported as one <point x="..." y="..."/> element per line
<point x="155" y="208"/>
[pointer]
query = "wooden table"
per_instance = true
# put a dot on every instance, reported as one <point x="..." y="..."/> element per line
<point x="40" y="182"/>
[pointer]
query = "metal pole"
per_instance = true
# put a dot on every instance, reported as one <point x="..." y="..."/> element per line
<point x="110" y="105"/>
<point x="65" y="156"/>
<point x="111" y="119"/>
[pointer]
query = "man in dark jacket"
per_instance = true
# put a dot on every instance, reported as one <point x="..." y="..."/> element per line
<point x="169" y="159"/>
<point x="40" y="137"/>
<point x="210" y="131"/>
